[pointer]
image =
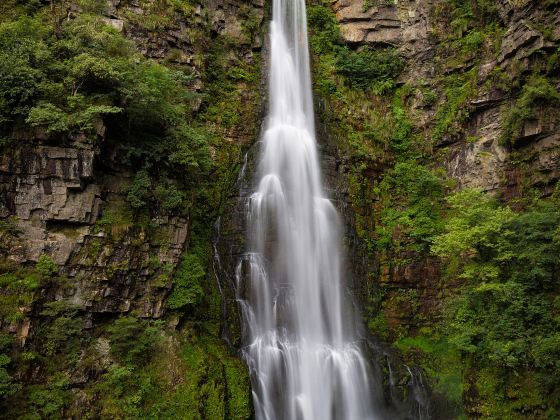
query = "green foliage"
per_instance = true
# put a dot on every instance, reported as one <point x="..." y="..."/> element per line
<point x="476" y="224"/>
<point x="401" y="136"/>
<point x="46" y="266"/>
<point x="141" y="194"/>
<point x="140" y="190"/>
<point x="133" y="340"/>
<point x="87" y="74"/>
<point x="464" y="14"/>
<point x="55" y="120"/>
<point x="7" y="384"/>
<point x="48" y="400"/>
<point x="65" y="74"/>
<point x="370" y="69"/>
<point x="439" y="360"/>
<point x="459" y="88"/>
<point x="218" y="386"/>
<point x="429" y="97"/>
<point x="537" y="94"/>
<point x="116" y="219"/>
<point x="9" y="233"/>
<point x="192" y="380"/>
<point x="227" y="78"/>
<point x="62" y="332"/>
<point x="379" y="326"/>
<point x="19" y="287"/>
<point x="169" y="197"/>
<point x="187" y="291"/>
<point x="325" y="33"/>
<point x="250" y="24"/>
<point x="505" y="317"/>
<point x="411" y="198"/>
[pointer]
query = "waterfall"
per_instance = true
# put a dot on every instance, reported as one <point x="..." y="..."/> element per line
<point x="300" y="339"/>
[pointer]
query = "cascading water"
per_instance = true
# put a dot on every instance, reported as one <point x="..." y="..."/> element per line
<point x="301" y="343"/>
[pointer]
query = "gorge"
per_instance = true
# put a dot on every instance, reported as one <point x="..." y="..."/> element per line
<point x="155" y="229"/>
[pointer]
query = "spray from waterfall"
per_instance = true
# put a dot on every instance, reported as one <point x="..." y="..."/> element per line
<point x="301" y="341"/>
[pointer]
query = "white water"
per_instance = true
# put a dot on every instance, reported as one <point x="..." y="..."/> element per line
<point x="301" y="343"/>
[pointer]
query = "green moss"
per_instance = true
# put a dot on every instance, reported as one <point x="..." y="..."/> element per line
<point x="187" y="291"/>
<point x="116" y="218"/>
<point x="452" y="113"/>
<point x="195" y="379"/>
<point x="440" y="361"/>
<point x="538" y="99"/>
<point x="378" y="325"/>
<point x="369" y="69"/>
<point x="227" y="80"/>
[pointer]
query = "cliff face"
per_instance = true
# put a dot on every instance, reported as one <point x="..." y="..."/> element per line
<point x="110" y="304"/>
<point x="424" y="100"/>
<point x="527" y="32"/>
<point x="58" y="194"/>
<point x="69" y="202"/>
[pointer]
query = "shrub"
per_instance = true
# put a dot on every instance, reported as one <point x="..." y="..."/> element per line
<point x="72" y="78"/>
<point x="325" y="33"/>
<point x="187" y="290"/>
<point x="46" y="266"/>
<point x="504" y="318"/>
<point x="133" y="340"/>
<point x="63" y="328"/>
<point x="537" y="94"/>
<point x="370" y="69"/>
<point x="7" y="384"/>
<point x="140" y="190"/>
<point x="412" y="199"/>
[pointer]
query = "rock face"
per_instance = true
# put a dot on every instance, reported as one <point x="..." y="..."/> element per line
<point x="47" y="186"/>
<point x="64" y="200"/>
<point x="404" y="24"/>
<point x="490" y="78"/>
<point x="483" y="161"/>
<point x="58" y="194"/>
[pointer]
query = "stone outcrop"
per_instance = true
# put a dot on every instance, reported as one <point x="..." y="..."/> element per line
<point x="69" y="202"/>
<point x="49" y="186"/>
<point x="57" y="195"/>
<point x="404" y="24"/>
<point x="482" y="161"/>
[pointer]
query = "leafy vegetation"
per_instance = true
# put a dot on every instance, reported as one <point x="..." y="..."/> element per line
<point x="538" y="98"/>
<point x="484" y="334"/>
<point x="370" y="69"/>
<point x="505" y="318"/>
<point x="133" y="340"/>
<point x="455" y="111"/>
<point x="187" y="291"/>
<point x="497" y="337"/>
<point x="411" y="198"/>
<point x="70" y="79"/>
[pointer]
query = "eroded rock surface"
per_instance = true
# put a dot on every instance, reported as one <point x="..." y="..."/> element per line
<point x="405" y="24"/>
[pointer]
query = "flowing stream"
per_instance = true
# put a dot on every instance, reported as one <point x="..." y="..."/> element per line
<point x="301" y="340"/>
